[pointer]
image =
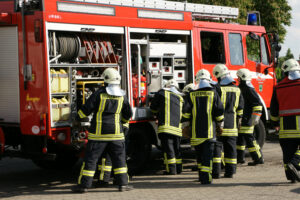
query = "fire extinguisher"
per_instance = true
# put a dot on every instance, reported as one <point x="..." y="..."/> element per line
<point x="135" y="89"/>
<point x="143" y="89"/>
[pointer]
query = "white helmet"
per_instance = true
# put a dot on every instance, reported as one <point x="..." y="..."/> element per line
<point x="170" y="83"/>
<point x="222" y="73"/>
<point x="290" y="65"/>
<point x="220" y="70"/>
<point x="111" y="76"/>
<point x="203" y="74"/>
<point x="188" y="88"/>
<point x="244" y="74"/>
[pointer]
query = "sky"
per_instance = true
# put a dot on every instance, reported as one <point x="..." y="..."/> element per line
<point x="292" y="38"/>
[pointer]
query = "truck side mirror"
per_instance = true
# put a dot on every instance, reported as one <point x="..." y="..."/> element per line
<point x="253" y="36"/>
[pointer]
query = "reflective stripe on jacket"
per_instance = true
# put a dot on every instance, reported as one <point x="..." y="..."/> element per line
<point x="168" y="108"/>
<point x="233" y="106"/>
<point x="252" y="105"/>
<point x="203" y="106"/>
<point x="108" y="114"/>
<point x="284" y="108"/>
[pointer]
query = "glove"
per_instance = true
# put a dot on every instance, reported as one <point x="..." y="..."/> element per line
<point x="255" y="118"/>
<point x="219" y="128"/>
<point x="219" y="131"/>
<point x="239" y="122"/>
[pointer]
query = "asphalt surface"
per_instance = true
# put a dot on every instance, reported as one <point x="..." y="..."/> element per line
<point x="21" y="179"/>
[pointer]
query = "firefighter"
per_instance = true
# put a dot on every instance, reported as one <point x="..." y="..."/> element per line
<point x="109" y="108"/>
<point x="251" y="115"/>
<point x="188" y="88"/>
<point x="167" y="106"/>
<point x="205" y="109"/>
<point x="105" y="163"/>
<point x="285" y="114"/>
<point x="233" y="103"/>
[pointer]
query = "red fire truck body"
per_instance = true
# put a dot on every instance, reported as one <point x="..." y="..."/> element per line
<point x="53" y="53"/>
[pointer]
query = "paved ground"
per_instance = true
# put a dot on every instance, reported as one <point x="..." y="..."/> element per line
<point x="21" y="179"/>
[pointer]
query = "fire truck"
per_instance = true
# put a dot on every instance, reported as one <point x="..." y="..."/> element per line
<point x="53" y="54"/>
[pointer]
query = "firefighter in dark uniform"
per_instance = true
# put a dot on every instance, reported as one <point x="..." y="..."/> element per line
<point x="205" y="109"/>
<point x="109" y="108"/>
<point x="105" y="163"/>
<point x="251" y="115"/>
<point x="233" y="104"/>
<point x="285" y="113"/>
<point x="167" y="106"/>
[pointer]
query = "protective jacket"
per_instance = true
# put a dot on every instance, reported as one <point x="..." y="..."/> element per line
<point x="233" y="107"/>
<point x="108" y="114"/>
<point x="168" y="107"/>
<point x="285" y="108"/>
<point x="252" y="105"/>
<point x="203" y="106"/>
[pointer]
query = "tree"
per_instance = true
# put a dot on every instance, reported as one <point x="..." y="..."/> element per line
<point x="278" y="70"/>
<point x="289" y="54"/>
<point x="275" y="14"/>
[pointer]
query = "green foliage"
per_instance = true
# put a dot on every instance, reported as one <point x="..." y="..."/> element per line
<point x="287" y="56"/>
<point x="275" y="14"/>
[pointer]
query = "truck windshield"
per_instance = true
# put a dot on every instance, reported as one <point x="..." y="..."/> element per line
<point x="253" y="49"/>
<point x="236" y="49"/>
<point x="264" y="51"/>
<point x="212" y="47"/>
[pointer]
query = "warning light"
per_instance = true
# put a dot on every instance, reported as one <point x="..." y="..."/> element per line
<point x="253" y="18"/>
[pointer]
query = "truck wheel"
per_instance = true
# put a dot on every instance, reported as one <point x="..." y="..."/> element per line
<point x="62" y="161"/>
<point x="260" y="133"/>
<point x="138" y="150"/>
<point x="66" y="158"/>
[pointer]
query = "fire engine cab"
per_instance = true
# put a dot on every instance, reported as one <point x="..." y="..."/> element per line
<point x="53" y="54"/>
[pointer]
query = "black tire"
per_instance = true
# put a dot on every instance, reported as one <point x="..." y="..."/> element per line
<point x="260" y="133"/>
<point x="66" y="158"/>
<point x="61" y="162"/>
<point x="138" y="150"/>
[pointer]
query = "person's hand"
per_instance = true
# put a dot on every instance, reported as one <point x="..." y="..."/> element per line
<point x="255" y="118"/>
<point x="239" y="122"/>
<point x="219" y="131"/>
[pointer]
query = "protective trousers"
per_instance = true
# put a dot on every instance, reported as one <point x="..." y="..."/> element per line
<point x="104" y="167"/>
<point x="230" y="154"/>
<point x="204" y="153"/>
<point x="172" y="156"/>
<point x="247" y="140"/>
<point x="94" y="150"/>
<point x="105" y="163"/>
<point x="291" y="153"/>
<point x="217" y="159"/>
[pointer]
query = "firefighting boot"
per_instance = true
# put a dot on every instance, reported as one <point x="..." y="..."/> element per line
<point x="293" y="171"/>
<point x="256" y="162"/>
<point x="123" y="188"/>
<point x="179" y="168"/>
<point x="79" y="189"/>
<point x="228" y="175"/>
<point x="101" y="184"/>
<point x="240" y="156"/>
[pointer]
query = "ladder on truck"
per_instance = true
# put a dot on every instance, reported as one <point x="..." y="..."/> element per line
<point x="197" y="10"/>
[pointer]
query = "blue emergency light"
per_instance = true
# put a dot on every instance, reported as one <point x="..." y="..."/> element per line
<point x="253" y="18"/>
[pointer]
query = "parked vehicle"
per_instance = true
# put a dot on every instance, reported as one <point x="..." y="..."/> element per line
<point x="53" y="54"/>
